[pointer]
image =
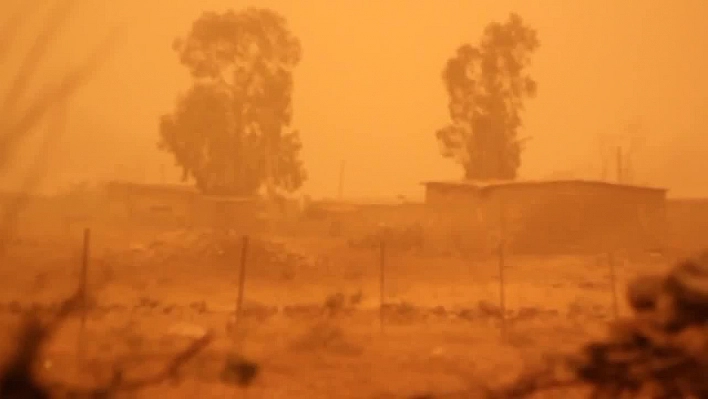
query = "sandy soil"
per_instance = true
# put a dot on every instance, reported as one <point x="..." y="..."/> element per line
<point x="156" y="290"/>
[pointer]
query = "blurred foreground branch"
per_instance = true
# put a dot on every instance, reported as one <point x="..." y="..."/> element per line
<point x="18" y="123"/>
<point x="18" y="378"/>
<point x="119" y="385"/>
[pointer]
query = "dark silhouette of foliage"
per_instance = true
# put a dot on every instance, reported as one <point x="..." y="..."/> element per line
<point x="487" y="86"/>
<point x="231" y="131"/>
<point x="18" y="378"/>
<point x="659" y="352"/>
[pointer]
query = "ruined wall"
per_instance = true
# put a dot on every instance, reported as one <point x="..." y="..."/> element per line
<point x="150" y="204"/>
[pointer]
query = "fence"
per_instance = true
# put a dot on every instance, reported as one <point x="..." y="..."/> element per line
<point x="313" y="293"/>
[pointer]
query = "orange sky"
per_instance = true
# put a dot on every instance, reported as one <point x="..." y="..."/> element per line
<point x="369" y="90"/>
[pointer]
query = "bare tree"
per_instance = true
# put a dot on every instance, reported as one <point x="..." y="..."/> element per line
<point x="618" y="152"/>
<point x="635" y="143"/>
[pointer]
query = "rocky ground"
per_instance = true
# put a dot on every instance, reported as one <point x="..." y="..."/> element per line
<point x="310" y="314"/>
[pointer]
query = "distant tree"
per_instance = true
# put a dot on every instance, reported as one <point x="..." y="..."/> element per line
<point x="230" y="131"/>
<point x="487" y="86"/>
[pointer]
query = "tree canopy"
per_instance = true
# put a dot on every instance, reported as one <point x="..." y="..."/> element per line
<point x="231" y="131"/>
<point x="487" y="86"/>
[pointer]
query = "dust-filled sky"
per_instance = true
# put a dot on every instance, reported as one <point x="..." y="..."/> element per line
<point x="369" y="88"/>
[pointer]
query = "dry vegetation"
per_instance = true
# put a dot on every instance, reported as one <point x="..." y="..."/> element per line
<point x="310" y="317"/>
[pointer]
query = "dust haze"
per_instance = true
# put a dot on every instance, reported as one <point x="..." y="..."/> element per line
<point x="370" y="75"/>
<point x="348" y="199"/>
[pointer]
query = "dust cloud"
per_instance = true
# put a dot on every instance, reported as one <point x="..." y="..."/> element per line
<point x="346" y="199"/>
<point x="370" y="76"/>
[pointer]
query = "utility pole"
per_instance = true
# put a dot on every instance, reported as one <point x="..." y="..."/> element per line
<point x="341" y="179"/>
<point x="620" y="177"/>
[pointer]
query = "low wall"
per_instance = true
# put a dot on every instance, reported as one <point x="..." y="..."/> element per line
<point x="688" y="224"/>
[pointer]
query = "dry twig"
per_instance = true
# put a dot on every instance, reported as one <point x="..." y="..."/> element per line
<point x="119" y="385"/>
<point x="19" y="380"/>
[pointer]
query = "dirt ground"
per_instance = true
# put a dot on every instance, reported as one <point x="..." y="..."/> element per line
<point x="154" y="290"/>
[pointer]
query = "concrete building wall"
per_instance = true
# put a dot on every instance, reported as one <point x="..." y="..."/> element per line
<point x="688" y="224"/>
<point x="577" y="217"/>
<point x="565" y="216"/>
<point x="181" y="207"/>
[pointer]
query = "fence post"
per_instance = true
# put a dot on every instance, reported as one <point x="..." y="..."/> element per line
<point x="502" y="282"/>
<point x="382" y="282"/>
<point x="502" y="289"/>
<point x="613" y="284"/>
<point x="83" y="292"/>
<point x="241" y="282"/>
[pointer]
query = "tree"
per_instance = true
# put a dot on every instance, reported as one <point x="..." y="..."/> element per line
<point x="487" y="86"/>
<point x="231" y="131"/>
